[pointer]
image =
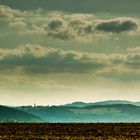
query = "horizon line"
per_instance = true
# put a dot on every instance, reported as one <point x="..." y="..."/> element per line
<point x="35" y="104"/>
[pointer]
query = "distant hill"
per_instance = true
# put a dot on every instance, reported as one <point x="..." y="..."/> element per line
<point x="109" y="102"/>
<point x="8" y="114"/>
<point x="105" y="111"/>
<point x="92" y="113"/>
<point x="78" y="104"/>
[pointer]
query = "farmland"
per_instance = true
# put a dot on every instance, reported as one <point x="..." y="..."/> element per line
<point x="63" y="131"/>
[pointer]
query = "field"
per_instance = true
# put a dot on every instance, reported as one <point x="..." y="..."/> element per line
<point x="50" y="131"/>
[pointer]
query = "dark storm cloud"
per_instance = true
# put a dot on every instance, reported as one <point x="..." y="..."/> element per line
<point x="37" y="59"/>
<point x="68" y="29"/>
<point x="117" y="26"/>
<point x="72" y="28"/>
<point x="55" y="24"/>
<point x="63" y="35"/>
<point x="81" y="27"/>
<point x="62" y="26"/>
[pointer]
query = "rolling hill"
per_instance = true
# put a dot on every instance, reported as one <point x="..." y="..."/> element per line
<point x="8" y="114"/>
<point x="108" y="102"/>
<point x="105" y="111"/>
<point x="92" y="113"/>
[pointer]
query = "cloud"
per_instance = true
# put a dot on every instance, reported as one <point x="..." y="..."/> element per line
<point x="66" y="29"/>
<point x="6" y="12"/>
<point x="117" y="25"/>
<point x="133" y="60"/>
<point x="11" y="17"/>
<point x="63" y="26"/>
<point x="17" y="24"/>
<point x="55" y="24"/>
<point x="123" y="67"/>
<point x="63" y="35"/>
<point x="134" y="49"/>
<point x="38" y="59"/>
<point x="124" y="76"/>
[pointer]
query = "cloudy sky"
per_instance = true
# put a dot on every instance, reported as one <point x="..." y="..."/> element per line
<point x="73" y="50"/>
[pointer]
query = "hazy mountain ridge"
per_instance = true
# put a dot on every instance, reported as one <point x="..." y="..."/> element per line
<point x="8" y="114"/>
<point x="107" y="111"/>
<point x="109" y="102"/>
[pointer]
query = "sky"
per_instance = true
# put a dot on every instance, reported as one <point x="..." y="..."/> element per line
<point x="59" y="51"/>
